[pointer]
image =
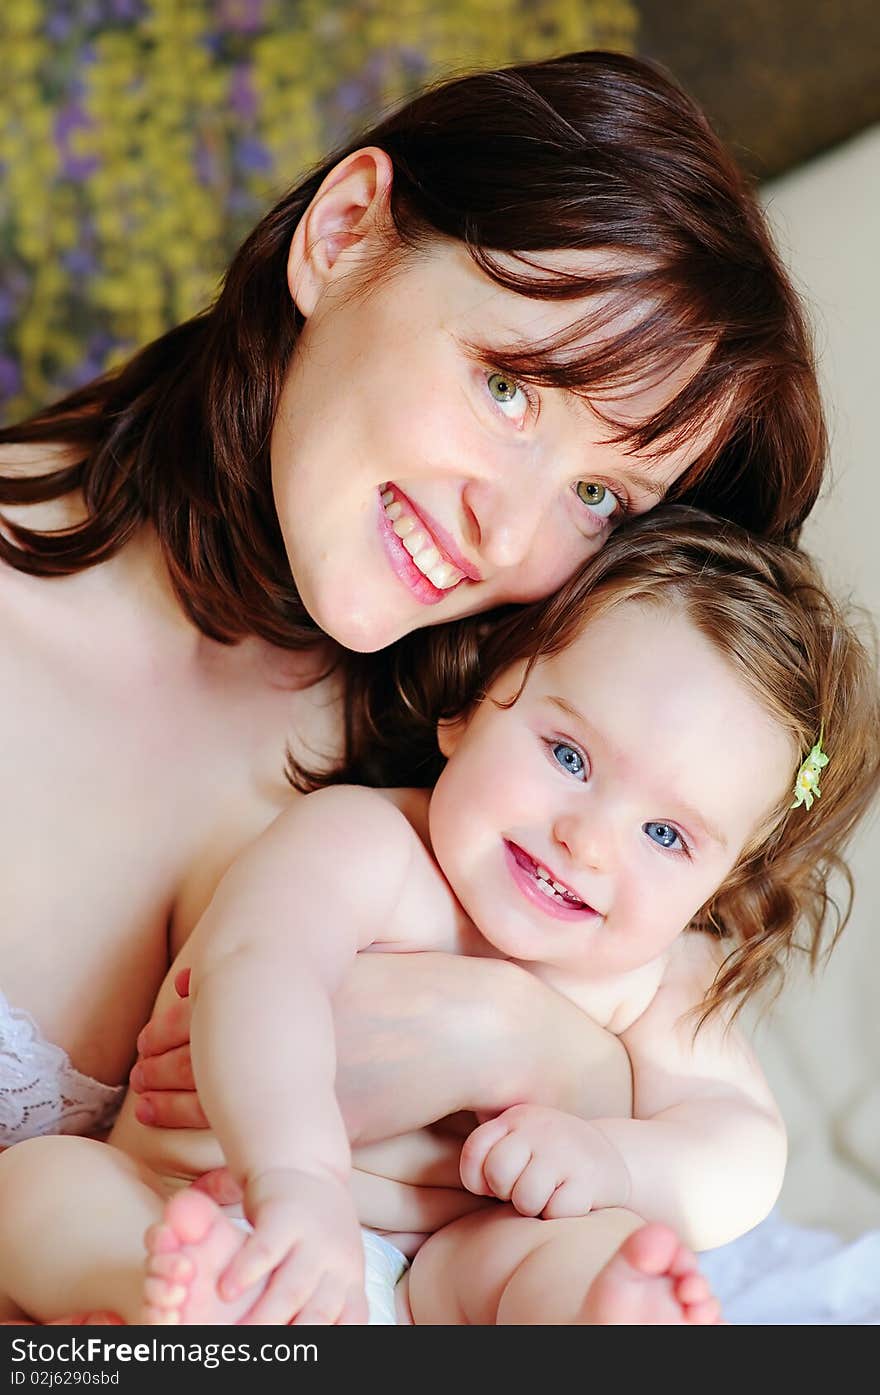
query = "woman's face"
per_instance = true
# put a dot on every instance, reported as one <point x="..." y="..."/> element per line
<point x="415" y="484"/>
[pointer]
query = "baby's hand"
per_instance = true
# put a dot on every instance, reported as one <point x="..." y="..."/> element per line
<point x="545" y="1162"/>
<point x="308" y="1240"/>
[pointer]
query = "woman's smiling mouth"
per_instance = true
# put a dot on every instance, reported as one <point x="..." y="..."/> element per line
<point x="419" y="557"/>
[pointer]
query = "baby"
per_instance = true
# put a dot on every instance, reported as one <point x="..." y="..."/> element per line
<point x="636" y="806"/>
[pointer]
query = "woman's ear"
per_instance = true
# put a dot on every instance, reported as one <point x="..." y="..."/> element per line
<point x="349" y="205"/>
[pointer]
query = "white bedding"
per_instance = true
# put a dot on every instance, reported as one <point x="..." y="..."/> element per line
<point x="781" y="1274"/>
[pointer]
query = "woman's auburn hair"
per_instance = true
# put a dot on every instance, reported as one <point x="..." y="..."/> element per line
<point x="763" y="606"/>
<point x="591" y="151"/>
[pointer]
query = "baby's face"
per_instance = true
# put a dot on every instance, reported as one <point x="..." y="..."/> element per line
<point x="583" y="828"/>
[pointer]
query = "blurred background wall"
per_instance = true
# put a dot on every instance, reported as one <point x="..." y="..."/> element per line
<point x="821" y="1045"/>
<point x="141" y="139"/>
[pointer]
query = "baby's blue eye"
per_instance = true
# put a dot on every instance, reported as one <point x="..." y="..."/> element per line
<point x="570" y="759"/>
<point x="663" y="834"/>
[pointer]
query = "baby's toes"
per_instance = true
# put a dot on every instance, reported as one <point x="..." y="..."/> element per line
<point x="160" y="1239"/>
<point x="163" y="1300"/>
<point x="703" y="1314"/>
<point x="173" y="1268"/>
<point x="692" y="1289"/>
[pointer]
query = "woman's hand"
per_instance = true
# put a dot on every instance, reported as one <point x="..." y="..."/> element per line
<point x="163" y="1074"/>
<point x="422" y="1036"/>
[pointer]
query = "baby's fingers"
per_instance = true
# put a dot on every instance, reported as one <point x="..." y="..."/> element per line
<point x="569" y="1199"/>
<point x="253" y="1262"/>
<point x="327" y="1304"/>
<point x="302" y="1290"/>
<point x="356" y="1312"/>
<point x="504" y="1165"/>
<point x="287" y="1292"/>
<point x="473" y="1155"/>
<point x="533" y="1188"/>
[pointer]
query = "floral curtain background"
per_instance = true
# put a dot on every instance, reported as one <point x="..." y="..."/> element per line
<point x="141" y="139"/>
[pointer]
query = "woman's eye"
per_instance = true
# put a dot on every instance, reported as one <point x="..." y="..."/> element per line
<point x="664" y="835"/>
<point x="570" y="759"/>
<point x="507" y="392"/>
<point x="599" y="499"/>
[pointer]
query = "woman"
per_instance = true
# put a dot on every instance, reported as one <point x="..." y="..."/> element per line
<point x="439" y="373"/>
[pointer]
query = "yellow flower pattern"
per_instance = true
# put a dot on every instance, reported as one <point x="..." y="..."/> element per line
<point x="141" y="139"/>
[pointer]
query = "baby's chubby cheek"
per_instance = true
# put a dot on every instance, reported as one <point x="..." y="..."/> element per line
<point x="448" y="827"/>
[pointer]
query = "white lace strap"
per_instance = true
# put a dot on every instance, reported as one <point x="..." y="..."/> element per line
<point x="40" y="1091"/>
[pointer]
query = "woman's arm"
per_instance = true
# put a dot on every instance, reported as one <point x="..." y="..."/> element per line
<point x="421" y="1036"/>
<point x="424" y="1036"/>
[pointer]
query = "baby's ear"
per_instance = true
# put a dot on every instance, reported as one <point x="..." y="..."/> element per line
<point x="450" y="730"/>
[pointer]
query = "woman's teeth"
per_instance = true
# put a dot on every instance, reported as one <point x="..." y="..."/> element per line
<point x="420" y="546"/>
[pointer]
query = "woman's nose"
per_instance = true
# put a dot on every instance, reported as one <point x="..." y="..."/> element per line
<point x="504" y="517"/>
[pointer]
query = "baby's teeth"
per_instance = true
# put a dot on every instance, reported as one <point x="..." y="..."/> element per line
<point x="562" y="889"/>
<point x="427" y="558"/>
<point x="415" y="542"/>
<point x="404" y="526"/>
<point x="394" y="510"/>
<point x="546" y="888"/>
<point x="542" y="872"/>
<point x="388" y="496"/>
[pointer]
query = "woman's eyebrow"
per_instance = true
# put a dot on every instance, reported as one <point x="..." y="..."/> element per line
<point x="654" y="491"/>
<point x="692" y="816"/>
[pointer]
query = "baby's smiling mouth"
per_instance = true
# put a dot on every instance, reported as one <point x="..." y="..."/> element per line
<point x="553" y="889"/>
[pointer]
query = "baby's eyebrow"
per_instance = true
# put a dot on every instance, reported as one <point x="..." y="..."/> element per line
<point x="692" y="816"/>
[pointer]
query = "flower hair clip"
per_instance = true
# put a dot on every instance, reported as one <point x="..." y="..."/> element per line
<point x="806" y="785"/>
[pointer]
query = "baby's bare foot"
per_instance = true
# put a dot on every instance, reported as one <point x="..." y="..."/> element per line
<point x="651" y="1280"/>
<point x="187" y="1252"/>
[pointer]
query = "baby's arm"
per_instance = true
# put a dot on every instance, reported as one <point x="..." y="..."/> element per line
<point x="267" y="956"/>
<point x="706" y="1147"/>
<point x="704" y="1151"/>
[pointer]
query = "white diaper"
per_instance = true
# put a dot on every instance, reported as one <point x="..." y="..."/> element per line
<point x="384" y="1266"/>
